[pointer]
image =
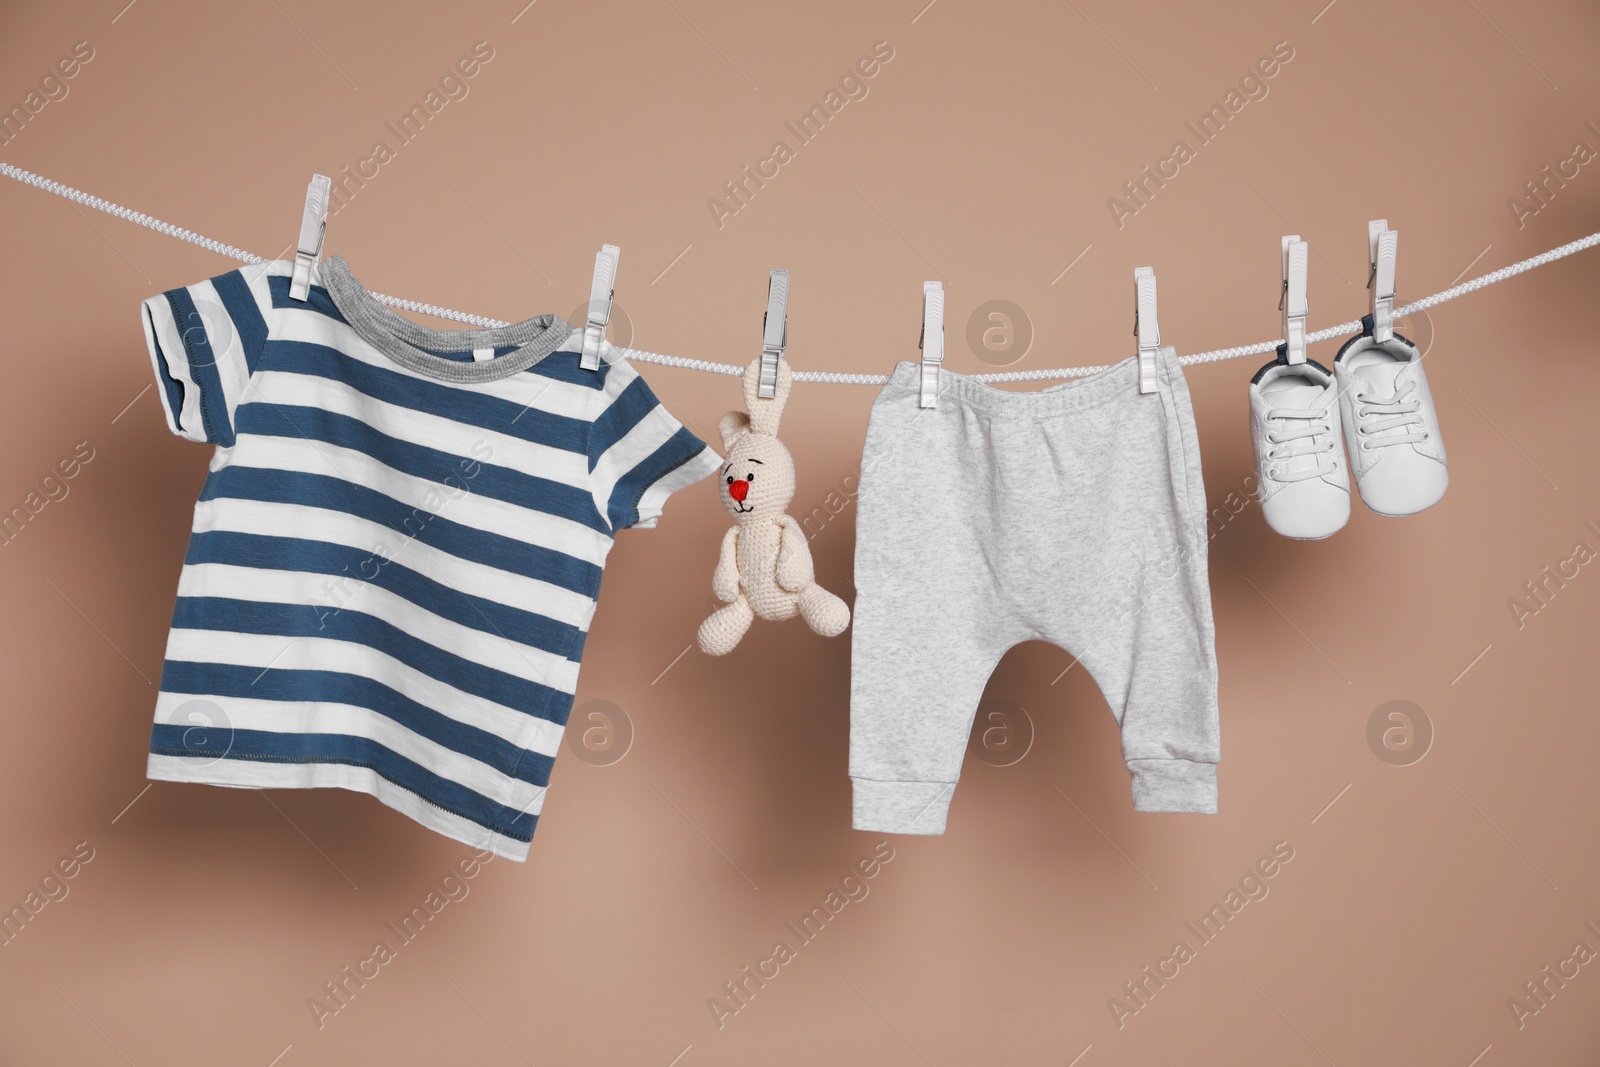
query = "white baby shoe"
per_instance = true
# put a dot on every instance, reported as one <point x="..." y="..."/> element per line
<point x="1390" y="425"/>
<point x="1294" y="422"/>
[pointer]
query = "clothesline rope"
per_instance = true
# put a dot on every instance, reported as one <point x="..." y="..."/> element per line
<point x="77" y="196"/>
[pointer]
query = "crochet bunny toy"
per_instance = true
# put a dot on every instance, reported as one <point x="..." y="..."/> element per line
<point x="765" y="566"/>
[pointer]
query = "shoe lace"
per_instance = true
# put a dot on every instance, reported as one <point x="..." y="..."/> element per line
<point x="1299" y="432"/>
<point x="1401" y="409"/>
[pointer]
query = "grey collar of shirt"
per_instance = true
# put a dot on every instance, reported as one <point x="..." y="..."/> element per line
<point x="408" y="343"/>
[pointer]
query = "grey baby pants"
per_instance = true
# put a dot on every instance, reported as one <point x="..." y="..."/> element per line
<point x="1073" y="514"/>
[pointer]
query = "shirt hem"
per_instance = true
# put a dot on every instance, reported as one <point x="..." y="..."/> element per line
<point x="249" y="774"/>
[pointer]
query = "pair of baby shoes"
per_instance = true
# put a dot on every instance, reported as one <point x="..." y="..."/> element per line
<point x="1376" y="405"/>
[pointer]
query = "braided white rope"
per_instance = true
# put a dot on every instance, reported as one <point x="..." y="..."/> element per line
<point x="80" y="197"/>
<point x="829" y="377"/>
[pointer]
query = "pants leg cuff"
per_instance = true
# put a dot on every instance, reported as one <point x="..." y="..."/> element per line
<point x="1174" y="785"/>
<point x="901" y="807"/>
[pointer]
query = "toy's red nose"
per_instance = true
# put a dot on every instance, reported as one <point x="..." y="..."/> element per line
<point x="738" y="489"/>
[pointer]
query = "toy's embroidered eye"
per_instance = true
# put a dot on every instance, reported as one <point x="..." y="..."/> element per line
<point x="750" y="477"/>
<point x="730" y="479"/>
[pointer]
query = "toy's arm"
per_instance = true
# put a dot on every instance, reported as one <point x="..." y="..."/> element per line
<point x="725" y="581"/>
<point x="794" y="557"/>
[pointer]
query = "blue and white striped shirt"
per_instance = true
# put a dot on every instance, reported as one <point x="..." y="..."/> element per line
<point x="397" y="553"/>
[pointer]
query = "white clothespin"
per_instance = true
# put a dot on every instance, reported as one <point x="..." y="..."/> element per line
<point x="601" y="291"/>
<point x="931" y="342"/>
<point x="774" y="332"/>
<point x="1382" y="244"/>
<point x="1145" y="327"/>
<point x="1296" y="254"/>
<point x="313" y="227"/>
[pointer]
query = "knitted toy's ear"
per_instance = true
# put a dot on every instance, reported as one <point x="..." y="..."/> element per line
<point x="764" y="414"/>
<point x="733" y="425"/>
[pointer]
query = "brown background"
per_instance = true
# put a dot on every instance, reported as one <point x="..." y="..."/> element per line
<point x="1416" y="904"/>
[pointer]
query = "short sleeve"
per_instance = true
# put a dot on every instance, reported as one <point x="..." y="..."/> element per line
<point x="639" y="454"/>
<point x="205" y="341"/>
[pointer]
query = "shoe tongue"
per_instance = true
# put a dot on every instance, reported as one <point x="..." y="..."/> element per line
<point x="1297" y="393"/>
<point x="1381" y="376"/>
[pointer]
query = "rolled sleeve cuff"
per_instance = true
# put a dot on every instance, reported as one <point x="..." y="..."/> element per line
<point x="180" y="395"/>
<point x="901" y="807"/>
<point x="1174" y="785"/>
<point x="654" y="499"/>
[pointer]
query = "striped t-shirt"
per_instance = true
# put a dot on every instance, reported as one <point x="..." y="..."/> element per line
<point x="398" y="550"/>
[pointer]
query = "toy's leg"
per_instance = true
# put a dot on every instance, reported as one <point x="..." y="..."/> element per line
<point x="824" y="612"/>
<point x="726" y="626"/>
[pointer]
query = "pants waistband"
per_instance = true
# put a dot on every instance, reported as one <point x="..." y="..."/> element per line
<point x="1117" y="382"/>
